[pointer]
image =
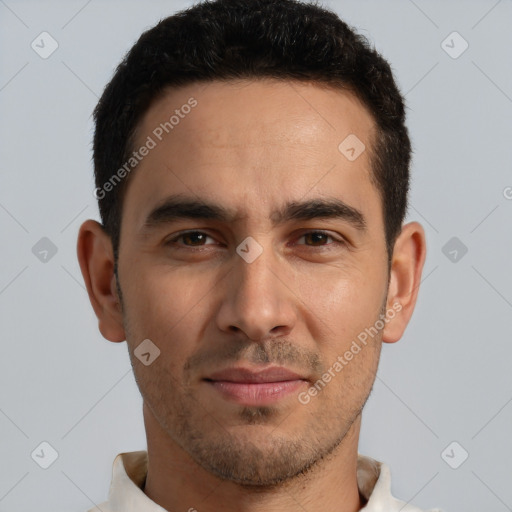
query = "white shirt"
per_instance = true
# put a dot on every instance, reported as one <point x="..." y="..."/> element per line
<point x="130" y="469"/>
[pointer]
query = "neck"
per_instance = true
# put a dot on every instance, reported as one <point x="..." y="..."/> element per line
<point x="175" y="482"/>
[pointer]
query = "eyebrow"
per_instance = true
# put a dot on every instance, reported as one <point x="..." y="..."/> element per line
<point x="180" y="207"/>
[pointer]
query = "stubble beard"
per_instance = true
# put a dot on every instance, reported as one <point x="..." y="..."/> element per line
<point x="257" y="462"/>
<point x="260" y="464"/>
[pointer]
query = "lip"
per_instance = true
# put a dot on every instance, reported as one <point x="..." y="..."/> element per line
<point x="255" y="388"/>
<point x="247" y="376"/>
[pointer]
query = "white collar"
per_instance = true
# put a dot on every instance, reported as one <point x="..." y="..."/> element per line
<point x="130" y="469"/>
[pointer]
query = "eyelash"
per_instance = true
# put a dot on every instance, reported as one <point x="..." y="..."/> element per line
<point x="336" y="241"/>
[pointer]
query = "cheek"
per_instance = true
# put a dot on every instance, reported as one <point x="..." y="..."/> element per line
<point x="168" y="307"/>
<point x="343" y="302"/>
<point x="167" y="296"/>
<point x="345" y="315"/>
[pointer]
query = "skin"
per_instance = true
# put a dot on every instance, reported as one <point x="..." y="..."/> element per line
<point x="251" y="147"/>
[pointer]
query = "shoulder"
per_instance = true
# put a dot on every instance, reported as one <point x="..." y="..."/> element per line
<point x="374" y="480"/>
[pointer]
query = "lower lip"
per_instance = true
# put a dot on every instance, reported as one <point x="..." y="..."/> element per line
<point x="261" y="393"/>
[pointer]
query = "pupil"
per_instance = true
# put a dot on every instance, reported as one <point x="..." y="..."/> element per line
<point x="194" y="238"/>
<point x="316" y="238"/>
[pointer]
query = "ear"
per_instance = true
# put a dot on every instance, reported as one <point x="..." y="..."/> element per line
<point x="96" y="257"/>
<point x="406" y="266"/>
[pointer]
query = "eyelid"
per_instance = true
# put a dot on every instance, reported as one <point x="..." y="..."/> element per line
<point x="176" y="236"/>
<point x="336" y="237"/>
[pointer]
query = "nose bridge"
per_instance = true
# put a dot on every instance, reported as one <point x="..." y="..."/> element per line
<point x="254" y="279"/>
<point x="255" y="301"/>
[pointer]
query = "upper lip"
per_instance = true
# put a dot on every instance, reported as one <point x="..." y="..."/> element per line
<point x="245" y="375"/>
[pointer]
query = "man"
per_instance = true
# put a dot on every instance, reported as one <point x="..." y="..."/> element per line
<point x="251" y="165"/>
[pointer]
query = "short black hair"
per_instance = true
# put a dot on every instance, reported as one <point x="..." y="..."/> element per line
<point x="251" y="39"/>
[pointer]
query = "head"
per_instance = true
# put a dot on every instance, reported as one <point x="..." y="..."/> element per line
<point x="257" y="222"/>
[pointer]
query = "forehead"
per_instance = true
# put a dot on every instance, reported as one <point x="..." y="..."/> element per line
<point x="252" y="144"/>
<point x="245" y="112"/>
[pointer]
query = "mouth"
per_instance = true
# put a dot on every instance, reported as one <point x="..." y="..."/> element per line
<point x="255" y="388"/>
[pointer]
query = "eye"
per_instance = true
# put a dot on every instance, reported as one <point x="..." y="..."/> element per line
<point x="318" y="239"/>
<point x="191" y="239"/>
<point x="201" y="239"/>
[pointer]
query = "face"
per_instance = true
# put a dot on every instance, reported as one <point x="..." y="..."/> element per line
<point x="251" y="241"/>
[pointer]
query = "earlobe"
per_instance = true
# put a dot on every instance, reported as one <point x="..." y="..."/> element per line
<point x="406" y="268"/>
<point x="95" y="255"/>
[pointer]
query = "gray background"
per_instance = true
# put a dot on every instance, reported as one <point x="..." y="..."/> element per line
<point x="447" y="380"/>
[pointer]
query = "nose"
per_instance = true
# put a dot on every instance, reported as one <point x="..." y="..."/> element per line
<point x="256" y="300"/>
